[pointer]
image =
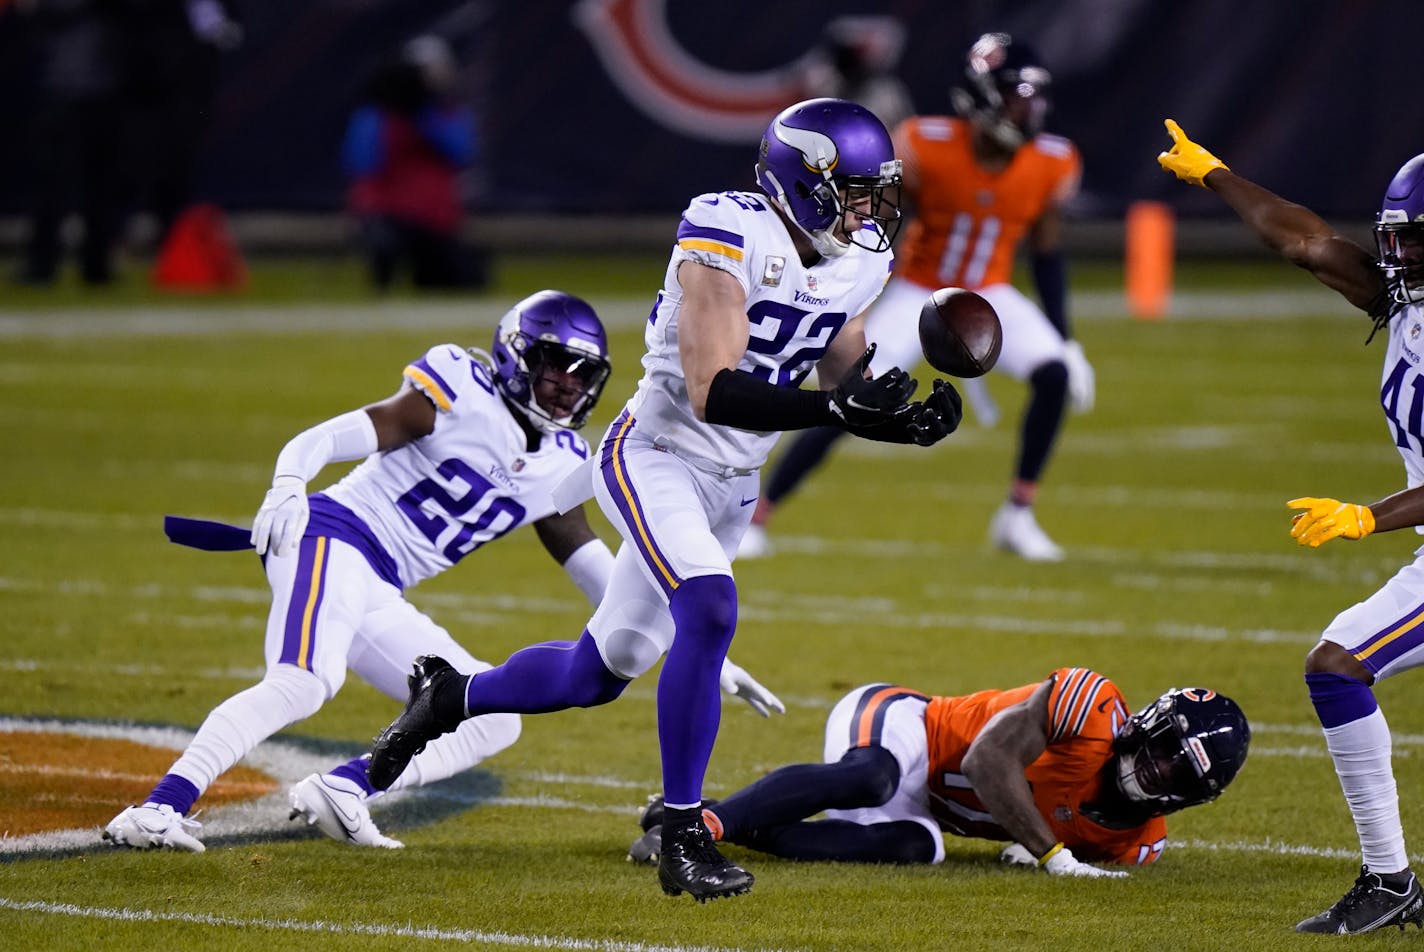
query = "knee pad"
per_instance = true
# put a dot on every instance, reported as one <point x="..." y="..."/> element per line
<point x="628" y="652"/>
<point x="876" y="772"/>
<point x="302" y="691"/>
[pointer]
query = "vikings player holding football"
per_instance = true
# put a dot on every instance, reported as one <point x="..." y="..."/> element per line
<point x="982" y="184"/>
<point x="1382" y="635"/>
<point x="761" y="287"/>
<point x="1057" y="767"/>
<point x="466" y="451"/>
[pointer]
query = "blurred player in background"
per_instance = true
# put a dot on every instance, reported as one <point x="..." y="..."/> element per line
<point x="760" y="289"/>
<point x="1380" y="636"/>
<point x="856" y="59"/>
<point x="1057" y="767"/>
<point x="981" y="185"/>
<point x="466" y="451"/>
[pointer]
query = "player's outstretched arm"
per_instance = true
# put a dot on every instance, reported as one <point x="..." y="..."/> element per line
<point x="397" y="420"/>
<point x="1294" y="231"/>
<point x="994" y="767"/>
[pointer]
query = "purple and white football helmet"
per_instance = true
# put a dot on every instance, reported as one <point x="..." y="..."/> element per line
<point x="551" y="331"/>
<point x="820" y="155"/>
<point x="1399" y="234"/>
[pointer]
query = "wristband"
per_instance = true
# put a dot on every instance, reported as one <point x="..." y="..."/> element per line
<point x="1053" y="851"/>
<point x="738" y="399"/>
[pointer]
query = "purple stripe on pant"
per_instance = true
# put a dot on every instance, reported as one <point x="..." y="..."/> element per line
<point x="304" y="603"/>
<point x="612" y="463"/>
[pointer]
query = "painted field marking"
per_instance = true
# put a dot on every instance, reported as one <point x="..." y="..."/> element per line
<point x="429" y="933"/>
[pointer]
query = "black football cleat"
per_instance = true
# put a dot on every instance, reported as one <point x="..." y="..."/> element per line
<point x="689" y="863"/>
<point x="652" y="812"/>
<point x="417" y="725"/>
<point x="1372" y="903"/>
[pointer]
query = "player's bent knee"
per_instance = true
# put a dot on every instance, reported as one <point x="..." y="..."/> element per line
<point x="1050" y="377"/>
<point x="874" y="773"/>
<point x="1329" y="658"/>
<point x="302" y="691"/>
<point x="629" y="653"/>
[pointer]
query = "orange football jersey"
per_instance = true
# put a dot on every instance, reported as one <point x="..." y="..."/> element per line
<point x="1085" y="711"/>
<point x="969" y="222"/>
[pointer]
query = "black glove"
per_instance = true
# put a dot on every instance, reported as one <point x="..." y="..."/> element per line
<point x="858" y="401"/>
<point x="923" y="424"/>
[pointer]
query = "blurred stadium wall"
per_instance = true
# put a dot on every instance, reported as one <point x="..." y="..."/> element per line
<point x="600" y="118"/>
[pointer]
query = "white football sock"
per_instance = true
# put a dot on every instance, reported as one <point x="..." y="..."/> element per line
<point x="1361" y="750"/>
<point x="286" y="694"/>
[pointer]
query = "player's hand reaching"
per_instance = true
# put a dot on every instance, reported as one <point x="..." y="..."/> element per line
<point x="1062" y="862"/>
<point x="1187" y="160"/>
<point x="863" y="401"/>
<point x="736" y="682"/>
<point x="1326" y="519"/>
<point x="921" y="423"/>
<point x="280" y="522"/>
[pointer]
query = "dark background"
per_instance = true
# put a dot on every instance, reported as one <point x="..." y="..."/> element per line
<point x="1317" y="100"/>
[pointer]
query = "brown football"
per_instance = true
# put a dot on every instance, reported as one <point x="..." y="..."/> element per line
<point x="960" y="333"/>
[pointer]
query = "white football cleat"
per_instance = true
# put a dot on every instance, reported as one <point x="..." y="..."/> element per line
<point x="1014" y="529"/>
<point x="153" y="826"/>
<point x="337" y="807"/>
<point x="755" y="544"/>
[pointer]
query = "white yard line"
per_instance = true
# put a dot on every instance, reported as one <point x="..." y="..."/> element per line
<point x="357" y="928"/>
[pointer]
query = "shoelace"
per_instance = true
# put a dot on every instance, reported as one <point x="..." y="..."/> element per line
<point x="699" y="846"/>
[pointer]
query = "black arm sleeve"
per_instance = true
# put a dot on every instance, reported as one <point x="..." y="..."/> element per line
<point x="738" y="399"/>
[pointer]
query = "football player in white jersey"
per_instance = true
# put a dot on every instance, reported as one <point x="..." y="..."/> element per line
<point x="1381" y="635"/>
<point x="462" y="454"/>
<point x="762" y="287"/>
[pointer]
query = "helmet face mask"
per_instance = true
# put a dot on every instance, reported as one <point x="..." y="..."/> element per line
<point x="830" y="166"/>
<point x="1005" y="91"/>
<point x="1399" y="234"/>
<point x="1181" y="750"/>
<point x="550" y="357"/>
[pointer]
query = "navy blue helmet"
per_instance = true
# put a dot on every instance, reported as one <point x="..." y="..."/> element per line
<point x="1181" y="750"/>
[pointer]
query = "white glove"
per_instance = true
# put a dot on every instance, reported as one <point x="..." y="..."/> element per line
<point x="282" y="519"/>
<point x="1082" y="386"/>
<point x="1017" y="855"/>
<point x="1063" y="863"/>
<point x="736" y="682"/>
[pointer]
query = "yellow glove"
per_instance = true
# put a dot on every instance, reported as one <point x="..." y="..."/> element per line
<point x="1187" y="160"/>
<point x="1324" y="519"/>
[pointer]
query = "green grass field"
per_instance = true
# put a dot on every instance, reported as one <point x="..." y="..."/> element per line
<point x="1170" y="497"/>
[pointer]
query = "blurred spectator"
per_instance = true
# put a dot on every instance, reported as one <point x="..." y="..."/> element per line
<point x="855" y="59"/>
<point x="404" y="149"/>
<point x="76" y="131"/>
<point x="171" y="52"/>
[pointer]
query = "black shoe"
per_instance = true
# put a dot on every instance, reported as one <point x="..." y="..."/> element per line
<point x="652" y="812"/>
<point x="1369" y="905"/>
<point x="690" y="863"/>
<point x="417" y="725"/>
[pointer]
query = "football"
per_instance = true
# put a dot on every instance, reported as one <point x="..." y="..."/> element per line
<point x="960" y="333"/>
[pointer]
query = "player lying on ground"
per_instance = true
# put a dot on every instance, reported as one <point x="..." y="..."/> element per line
<point x="462" y="454"/>
<point x="1057" y="767"/>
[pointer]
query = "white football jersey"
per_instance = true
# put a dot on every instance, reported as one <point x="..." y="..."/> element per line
<point x="437" y="499"/>
<point x="1402" y="391"/>
<point x="794" y="311"/>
